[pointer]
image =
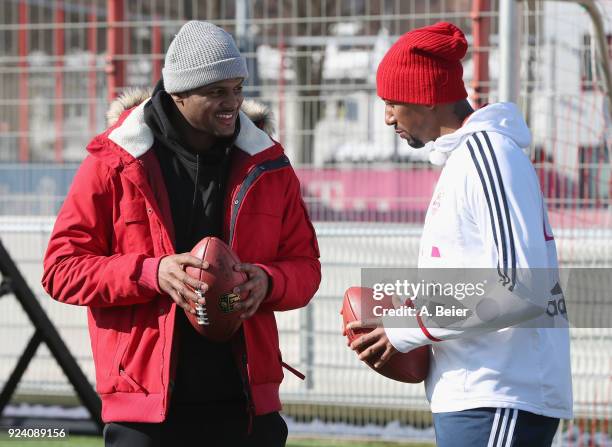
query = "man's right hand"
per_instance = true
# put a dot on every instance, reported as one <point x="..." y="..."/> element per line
<point x="173" y="280"/>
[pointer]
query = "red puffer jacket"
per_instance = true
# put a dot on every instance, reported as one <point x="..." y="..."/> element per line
<point x="114" y="227"/>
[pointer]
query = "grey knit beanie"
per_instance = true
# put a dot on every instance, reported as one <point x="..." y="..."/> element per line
<point x="200" y="54"/>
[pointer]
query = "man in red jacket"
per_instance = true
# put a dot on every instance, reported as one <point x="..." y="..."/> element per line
<point x="174" y="168"/>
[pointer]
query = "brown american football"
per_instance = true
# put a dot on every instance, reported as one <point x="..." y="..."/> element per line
<point x="217" y="319"/>
<point x="410" y="367"/>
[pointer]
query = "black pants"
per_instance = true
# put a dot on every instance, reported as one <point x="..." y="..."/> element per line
<point x="269" y="430"/>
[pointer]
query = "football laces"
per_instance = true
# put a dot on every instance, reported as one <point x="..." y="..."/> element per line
<point x="201" y="313"/>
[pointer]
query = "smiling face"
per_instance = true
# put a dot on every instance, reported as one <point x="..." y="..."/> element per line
<point x="214" y="108"/>
<point x="417" y="124"/>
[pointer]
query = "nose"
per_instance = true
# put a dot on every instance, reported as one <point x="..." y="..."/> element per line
<point x="232" y="100"/>
<point x="389" y="116"/>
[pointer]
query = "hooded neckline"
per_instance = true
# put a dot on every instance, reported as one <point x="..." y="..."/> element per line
<point x="504" y="118"/>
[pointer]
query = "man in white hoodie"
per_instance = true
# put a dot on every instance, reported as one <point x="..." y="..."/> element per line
<point x="501" y="379"/>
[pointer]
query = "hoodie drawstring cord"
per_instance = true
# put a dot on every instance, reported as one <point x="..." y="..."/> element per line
<point x="195" y="192"/>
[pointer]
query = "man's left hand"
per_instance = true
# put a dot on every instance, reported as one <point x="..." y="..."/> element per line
<point x="374" y="348"/>
<point x="256" y="286"/>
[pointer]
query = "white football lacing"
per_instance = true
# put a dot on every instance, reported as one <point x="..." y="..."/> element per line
<point x="201" y="314"/>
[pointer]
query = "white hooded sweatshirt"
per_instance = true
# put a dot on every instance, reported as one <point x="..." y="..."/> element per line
<point x="487" y="211"/>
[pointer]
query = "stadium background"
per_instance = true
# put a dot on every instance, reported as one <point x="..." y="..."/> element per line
<point x="313" y="63"/>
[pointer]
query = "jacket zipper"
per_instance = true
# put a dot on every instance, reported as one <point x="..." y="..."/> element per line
<point x="237" y="199"/>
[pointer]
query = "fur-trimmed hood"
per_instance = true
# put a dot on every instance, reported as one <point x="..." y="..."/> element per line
<point x="136" y="138"/>
<point x="257" y="112"/>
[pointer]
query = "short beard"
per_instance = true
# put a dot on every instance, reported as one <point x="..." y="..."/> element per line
<point x="415" y="143"/>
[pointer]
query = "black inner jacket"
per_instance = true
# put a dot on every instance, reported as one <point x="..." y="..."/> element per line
<point x="206" y="375"/>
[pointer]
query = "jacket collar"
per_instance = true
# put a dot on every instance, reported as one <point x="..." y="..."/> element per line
<point x="136" y="138"/>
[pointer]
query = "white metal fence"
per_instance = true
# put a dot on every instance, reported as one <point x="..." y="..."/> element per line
<point x="313" y="63"/>
<point x="311" y="338"/>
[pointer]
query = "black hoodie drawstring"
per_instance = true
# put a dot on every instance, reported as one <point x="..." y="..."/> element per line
<point x="195" y="193"/>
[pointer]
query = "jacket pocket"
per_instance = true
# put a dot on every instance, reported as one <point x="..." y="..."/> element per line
<point x="112" y="334"/>
<point x="107" y="358"/>
<point x="118" y="360"/>
<point x="119" y="353"/>
<point x="133" y="229"/>
<point x="123" y="340"/>
<point x="133" y="211"/>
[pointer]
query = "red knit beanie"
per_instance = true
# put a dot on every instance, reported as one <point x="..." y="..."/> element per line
<point x="423" y="66"/>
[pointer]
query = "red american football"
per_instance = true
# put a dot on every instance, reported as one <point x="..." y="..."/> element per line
<point x="410" y="367"/>
<point x="217" y="319"/>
